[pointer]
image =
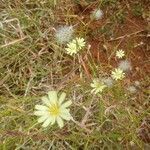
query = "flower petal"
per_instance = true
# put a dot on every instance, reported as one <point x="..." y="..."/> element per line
<point x="42" y="119"/>
<point x="52" y="95"/>
<point x="93" y="90"/>
<point x="96" y="91"/>
<point x="41" y="107"/>
<point x="66" y="116"/>
<point x="46" y="100"/>
<point x="92" y="85"/>
<point x="47" y="122"/>
<point x="64" y="110"/>
<point x="53" y="120"/>
<point x="66" y="104"/>
<point x="62" y="98"/>
<point x="60" y="122"/>
<point x="40" y="113"/>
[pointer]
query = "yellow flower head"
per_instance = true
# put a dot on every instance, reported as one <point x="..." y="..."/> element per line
<point x="53" y="109"/>
<point x="97" y="86"/>
<point x="118" y="74"/>
<point x="120" y="53"/>
<point x="75" y="45"/>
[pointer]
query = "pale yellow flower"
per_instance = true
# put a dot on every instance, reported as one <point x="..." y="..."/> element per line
<point x="71" y="49"/>
<point x="97" y="86"/>
<point x="120" y="53"/>
<point x="75" y="46"/>
<point x="53" y="109"/>
<point x="118" y="74"/>
<point x="80" y="43"/>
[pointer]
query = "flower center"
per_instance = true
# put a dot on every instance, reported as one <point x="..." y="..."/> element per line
<point x="99" y="85"/>
<point x="54" y="109"/>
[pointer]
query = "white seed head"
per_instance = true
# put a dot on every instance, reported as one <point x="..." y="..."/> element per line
<point x="125" y="65"/>
<point x="131" y="89"/>
<point x="64" y="34"/>
<point x="97" y="14"/>
<point x="137" y="83"/>
<point x="108" y="81"/>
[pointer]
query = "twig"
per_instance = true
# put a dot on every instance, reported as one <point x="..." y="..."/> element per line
<point x="28" y="86"/>
<point x="22" y="134"/>
<point x="87" y="114"/>
<point x="85" y="67"/>
<point x="7" y="88"/>
<point x="82" y="126"/>
<point x="13" y="42"/>
<point x="127" y="35"/>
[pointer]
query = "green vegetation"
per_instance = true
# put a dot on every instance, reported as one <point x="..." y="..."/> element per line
<point x="32" y="62"/>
